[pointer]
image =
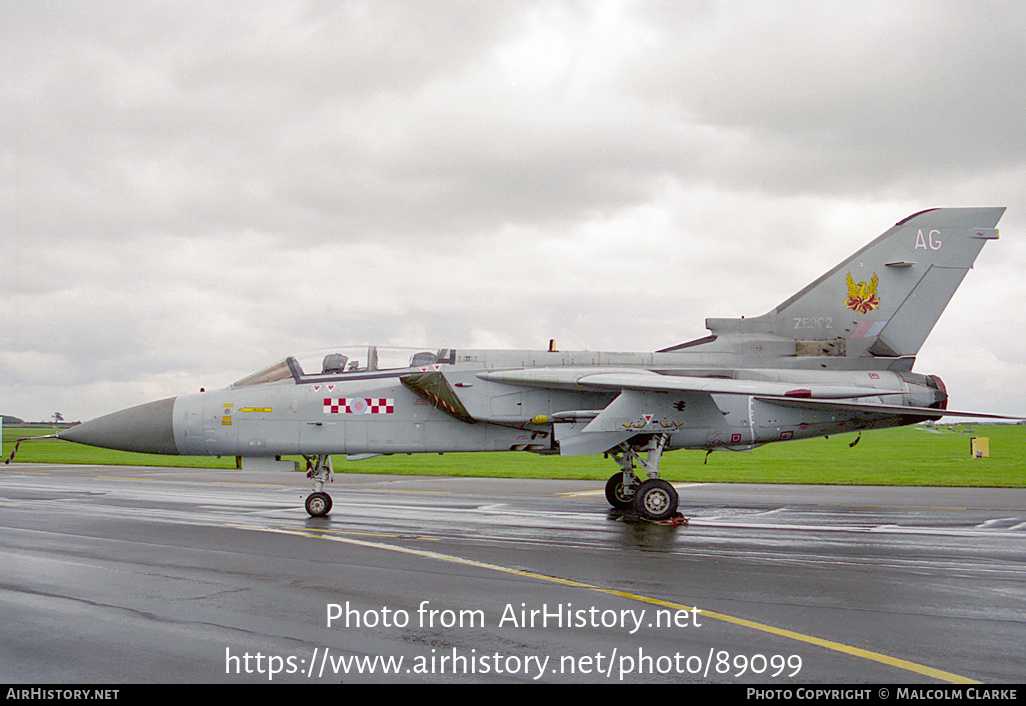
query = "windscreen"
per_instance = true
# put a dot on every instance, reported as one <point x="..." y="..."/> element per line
<point x="272" y="373"/>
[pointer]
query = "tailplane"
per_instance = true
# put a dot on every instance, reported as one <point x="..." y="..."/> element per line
<point x="884" y="300"/>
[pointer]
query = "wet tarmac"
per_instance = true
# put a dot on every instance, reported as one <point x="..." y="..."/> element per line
<point x="129" y="575"/>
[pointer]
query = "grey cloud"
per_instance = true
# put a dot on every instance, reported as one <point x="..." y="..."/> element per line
<point x="189" y="191"/>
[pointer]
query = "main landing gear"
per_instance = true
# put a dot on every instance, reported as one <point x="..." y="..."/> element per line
<point x="653" y="499"/>
<point x="318" y="468"/>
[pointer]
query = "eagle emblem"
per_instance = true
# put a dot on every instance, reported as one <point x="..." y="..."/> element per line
<point x="862" y="297"/>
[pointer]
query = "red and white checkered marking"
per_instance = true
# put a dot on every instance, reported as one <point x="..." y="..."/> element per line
<point x="359" y="405"/>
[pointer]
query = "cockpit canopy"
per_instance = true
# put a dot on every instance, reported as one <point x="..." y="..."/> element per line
<point x="332" y="363"/>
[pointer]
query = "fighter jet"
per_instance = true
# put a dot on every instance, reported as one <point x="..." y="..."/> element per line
<point x="835" y="357"/>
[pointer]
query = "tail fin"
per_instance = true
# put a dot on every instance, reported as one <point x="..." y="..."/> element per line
<point x="885" y="299"/>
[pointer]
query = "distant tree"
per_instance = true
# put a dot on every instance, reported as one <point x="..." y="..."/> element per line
<point x="8" y="419"/>
<point x="58" y="417"/>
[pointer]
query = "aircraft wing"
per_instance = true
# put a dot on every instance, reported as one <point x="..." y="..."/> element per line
<point x="824" y="397"/>
<point x="881" y="409"/>
<point x="647" y="381"/>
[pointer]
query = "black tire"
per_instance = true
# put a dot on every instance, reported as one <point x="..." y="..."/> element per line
<point x="318" y="504"/>
<point x="617" y="496"/>
<point x="656" y="499"/>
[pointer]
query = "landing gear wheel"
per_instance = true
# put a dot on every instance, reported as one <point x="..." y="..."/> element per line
<point x="618" y="496"/>
<point x="656" y="499"/>
<point x="318" y="504"/>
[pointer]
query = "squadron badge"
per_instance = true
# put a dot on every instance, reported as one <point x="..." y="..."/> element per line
<point x="862" y="297"/>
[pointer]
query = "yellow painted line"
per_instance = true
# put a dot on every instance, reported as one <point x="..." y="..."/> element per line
<point x="828" y="644"/>
<point x="175" y="480"/>
<point x="304" y="530"/>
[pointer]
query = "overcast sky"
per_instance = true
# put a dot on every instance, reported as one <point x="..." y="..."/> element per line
<point x="192" y="190"/>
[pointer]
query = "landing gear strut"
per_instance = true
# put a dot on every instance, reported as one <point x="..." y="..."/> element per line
<point x="318" y="503"/>
<point x="654" y="498"/>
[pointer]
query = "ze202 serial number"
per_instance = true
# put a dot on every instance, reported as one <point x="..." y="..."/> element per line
<point x="813" y="322"/>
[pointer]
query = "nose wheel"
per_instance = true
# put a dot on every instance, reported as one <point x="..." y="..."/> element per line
<point x="318" y="503"/>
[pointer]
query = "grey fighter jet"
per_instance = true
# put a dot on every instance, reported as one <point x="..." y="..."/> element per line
<point x="835" y="357"/>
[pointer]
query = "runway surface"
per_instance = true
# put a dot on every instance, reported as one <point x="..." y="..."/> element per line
<point x="118" y="575"/>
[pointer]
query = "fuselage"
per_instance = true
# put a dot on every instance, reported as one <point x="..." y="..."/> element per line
<point x="387" y="400"/>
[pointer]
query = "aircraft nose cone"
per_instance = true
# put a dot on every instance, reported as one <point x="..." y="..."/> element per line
<point x="147" y="428"/>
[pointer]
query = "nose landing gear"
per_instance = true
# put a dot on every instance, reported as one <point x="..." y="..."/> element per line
<point x="318" y="503"/>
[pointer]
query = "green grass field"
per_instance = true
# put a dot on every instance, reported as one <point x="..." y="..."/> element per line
<point x="905" y="456"/>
